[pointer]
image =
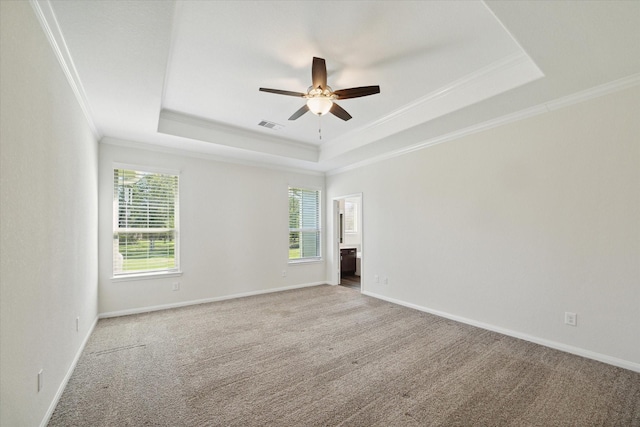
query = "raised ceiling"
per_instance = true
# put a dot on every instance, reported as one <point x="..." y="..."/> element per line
<point x="184" y="75"/>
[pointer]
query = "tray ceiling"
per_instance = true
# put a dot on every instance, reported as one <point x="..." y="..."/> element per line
<point x="185" y="75"/>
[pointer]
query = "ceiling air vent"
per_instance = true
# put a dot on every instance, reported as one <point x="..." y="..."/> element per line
<point x="270" y="125"/>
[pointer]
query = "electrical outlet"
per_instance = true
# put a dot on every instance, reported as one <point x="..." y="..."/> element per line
<point x="570" y="318"/>
<point x="284" y="273"/>
<point x="376" y="278"/>
<point x="176" y="286"/>
<point x="385" y="280"/>
<point x="40" y="380"/>
<point x="78" y="324"/>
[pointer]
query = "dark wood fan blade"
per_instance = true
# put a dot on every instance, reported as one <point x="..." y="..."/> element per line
<point x="319" y="73"/>
<point x="300" y="112"/>
<point x="283" y="92"/>
<point x="340" y="112"/>
<point x="357" y="92"/>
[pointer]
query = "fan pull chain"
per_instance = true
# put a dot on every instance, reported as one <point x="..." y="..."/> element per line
<point x="320" y="127"/>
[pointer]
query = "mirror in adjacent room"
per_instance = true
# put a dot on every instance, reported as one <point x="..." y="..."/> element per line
<point x="350" y="245"/>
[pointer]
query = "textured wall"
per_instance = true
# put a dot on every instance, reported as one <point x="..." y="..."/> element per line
<point x="49" y="211"/>
<point x="233" y="228"/>
<point x="514" y="226"/>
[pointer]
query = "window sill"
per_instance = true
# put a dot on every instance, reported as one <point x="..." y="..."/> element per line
<point x="305" y="261"/>
<point x="145" y="276"/>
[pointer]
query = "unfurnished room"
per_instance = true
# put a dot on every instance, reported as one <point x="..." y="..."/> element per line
<point x="319" y="213"/>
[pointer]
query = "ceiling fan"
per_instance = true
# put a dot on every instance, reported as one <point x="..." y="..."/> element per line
<point x="320" y="97"/>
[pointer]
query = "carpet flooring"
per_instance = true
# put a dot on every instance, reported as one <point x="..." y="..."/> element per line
<point x="329" y="356"/>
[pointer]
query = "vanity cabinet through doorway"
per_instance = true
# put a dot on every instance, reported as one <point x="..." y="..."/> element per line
<point x="348" y="262"/>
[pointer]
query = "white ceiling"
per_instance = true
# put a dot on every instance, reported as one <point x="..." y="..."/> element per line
<point x="185" y="74"/>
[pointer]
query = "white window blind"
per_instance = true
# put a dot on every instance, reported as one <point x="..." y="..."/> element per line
<point x="145" y="222"/>
<point x="304" y="224"/>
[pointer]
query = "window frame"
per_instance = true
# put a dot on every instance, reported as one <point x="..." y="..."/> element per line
<point x="141" y="275"/>
<point x="318" y="230"/>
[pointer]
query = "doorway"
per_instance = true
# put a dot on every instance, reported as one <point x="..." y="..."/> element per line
<point x="348" y="241"/>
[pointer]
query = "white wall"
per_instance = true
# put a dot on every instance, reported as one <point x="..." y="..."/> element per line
<point x="49" y="221"/>
<point x="233" y="227"/>
<point x="514" y="226"/>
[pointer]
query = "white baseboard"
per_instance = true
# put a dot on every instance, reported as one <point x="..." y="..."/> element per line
<point x="67" y="377"/>
<point x="632" y="366"/>
<point x="202" y="301"/>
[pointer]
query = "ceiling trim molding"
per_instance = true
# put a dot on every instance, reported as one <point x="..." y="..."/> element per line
<point x="566" y="101"/>
<point x="186" y="126"/>
<point x="594" y="92"/>
<point x="49" y="23"/>
<point x="500" y="76"/>
<point x="463" y="83"/>
<point x="118" y="142"/>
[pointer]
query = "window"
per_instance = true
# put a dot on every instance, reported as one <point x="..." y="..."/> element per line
<point x="350" y="217"/>
<point x="145" y="222"/>
<point x="304" y="224"/>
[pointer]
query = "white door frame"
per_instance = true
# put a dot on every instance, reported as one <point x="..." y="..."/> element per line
<point x="335" y="274"/>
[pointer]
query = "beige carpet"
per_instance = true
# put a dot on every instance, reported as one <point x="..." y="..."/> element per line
<point x="326" y="356"/>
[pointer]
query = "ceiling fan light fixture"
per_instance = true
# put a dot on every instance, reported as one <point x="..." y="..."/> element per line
<point x="319" y="105"/>
<point x="320" y="96"/>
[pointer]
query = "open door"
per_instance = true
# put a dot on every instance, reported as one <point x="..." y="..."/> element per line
<point x="348" y="241"/>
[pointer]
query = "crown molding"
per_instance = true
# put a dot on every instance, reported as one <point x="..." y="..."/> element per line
<point x="500" y="76"/>
<point x="566" y="101"/>
<point x="196" y="128"/>
<point x="118" y="142"/>
<point x="49" y="23"/>
<point x="594" y="92"/>
<point x="463" y="84"/>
